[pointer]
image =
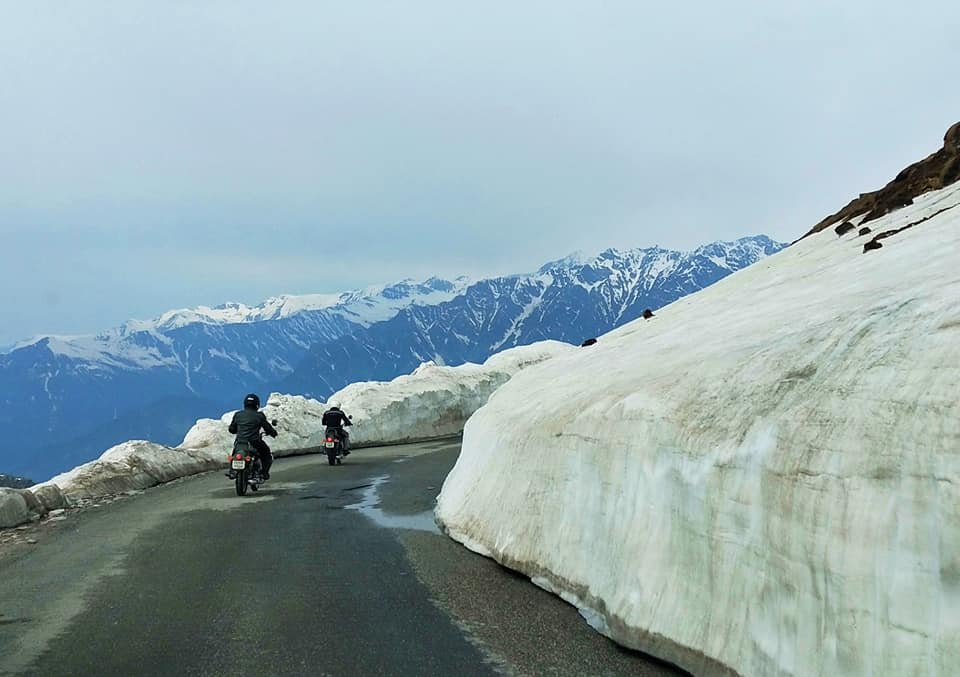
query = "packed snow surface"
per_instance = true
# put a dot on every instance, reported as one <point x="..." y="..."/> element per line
<point x="763" y="478"/>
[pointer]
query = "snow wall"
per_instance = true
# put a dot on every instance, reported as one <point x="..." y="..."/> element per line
<point x="431" y="402"/>
<point x="762" y="479"/>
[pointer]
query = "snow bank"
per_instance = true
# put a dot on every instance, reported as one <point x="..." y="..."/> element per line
<point x="298" y="419"/>
<point x="13" y="508"/>
<point x="24" y="505"/>
<point x="433" y="401"/>
<point x="134" y="465"/>
<point x="763" y="478"/>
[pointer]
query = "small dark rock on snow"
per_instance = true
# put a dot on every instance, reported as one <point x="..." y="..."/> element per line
<point x="647" y="314"/>
<point x="588" y="342"/>
<point x="843" y="228"/>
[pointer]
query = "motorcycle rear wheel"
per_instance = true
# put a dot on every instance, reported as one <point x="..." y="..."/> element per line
<point x="332" y="456"/>
<point x="242" y="482"/>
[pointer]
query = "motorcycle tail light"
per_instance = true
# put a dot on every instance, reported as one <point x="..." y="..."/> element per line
<point x="248" y="459"/>
<point x="239" y="457"/>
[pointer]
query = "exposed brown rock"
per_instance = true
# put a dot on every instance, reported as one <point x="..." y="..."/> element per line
<point x="932" y="173"/>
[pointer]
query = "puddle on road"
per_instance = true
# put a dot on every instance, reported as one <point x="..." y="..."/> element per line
<point x="371" y="499"/>
<point x="270" y="491"/>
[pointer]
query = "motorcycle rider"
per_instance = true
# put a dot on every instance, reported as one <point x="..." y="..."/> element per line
<point x="336" y="419"/>
<point x="246" y="425"/>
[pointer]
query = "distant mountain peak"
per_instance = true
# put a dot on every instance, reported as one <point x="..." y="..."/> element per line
<point x="372" y="304"/>
<point x="15" y="481"/>
<point x="571" y="260"/>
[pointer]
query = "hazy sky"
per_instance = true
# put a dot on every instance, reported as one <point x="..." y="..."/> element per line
<point x="165" y="154"/>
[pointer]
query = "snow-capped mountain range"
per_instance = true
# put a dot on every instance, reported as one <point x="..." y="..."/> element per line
<point x="365" y="307"/>
<point x="66" y="399"/>
<point x="570" y="300"/>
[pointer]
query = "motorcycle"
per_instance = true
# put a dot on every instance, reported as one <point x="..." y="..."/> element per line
<point x="333" y="444"/>
<point x="246" y="469"/>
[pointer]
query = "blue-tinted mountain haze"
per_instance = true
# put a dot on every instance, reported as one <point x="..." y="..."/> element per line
<point x="66" y="400"/>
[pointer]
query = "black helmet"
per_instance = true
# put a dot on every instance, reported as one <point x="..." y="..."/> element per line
<point x="251" y="401"/>
<point x="334" y="407"/>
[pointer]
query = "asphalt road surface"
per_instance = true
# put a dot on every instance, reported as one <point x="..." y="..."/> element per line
<point x="325" y="571"/>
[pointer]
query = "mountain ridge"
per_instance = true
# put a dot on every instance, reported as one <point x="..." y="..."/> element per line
<point x="68" y="398"/>
<point x="938" y="170"/>
<point x="568" y="302"/>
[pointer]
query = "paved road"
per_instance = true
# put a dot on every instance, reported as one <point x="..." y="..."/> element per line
<point x="327" y="571"/>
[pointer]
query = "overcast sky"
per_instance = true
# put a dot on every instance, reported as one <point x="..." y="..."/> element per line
<point x="166" y="154"/>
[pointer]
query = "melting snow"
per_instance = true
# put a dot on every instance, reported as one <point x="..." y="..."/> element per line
<point x="369" y="507"/>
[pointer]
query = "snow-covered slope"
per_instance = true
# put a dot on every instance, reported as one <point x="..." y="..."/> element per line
<point x="762" y="478"/>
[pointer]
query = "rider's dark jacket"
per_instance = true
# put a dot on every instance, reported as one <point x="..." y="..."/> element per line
<point x="334" y="418"/>
<point x="246" y="425"/>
